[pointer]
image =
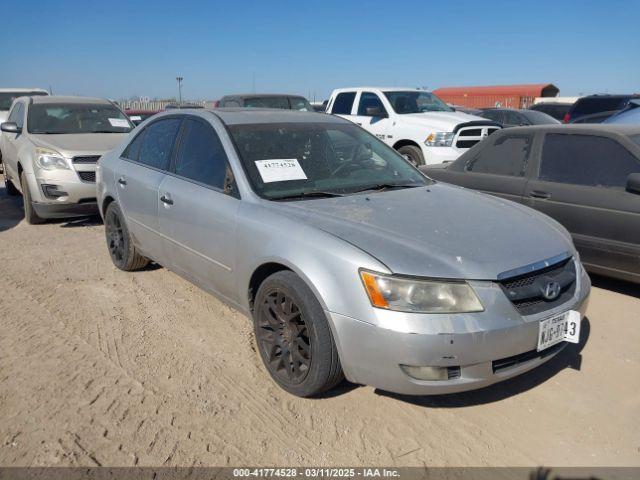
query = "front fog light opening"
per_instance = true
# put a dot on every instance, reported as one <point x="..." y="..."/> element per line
<point x="431" y="374"/>
<point x="53" y="191"/>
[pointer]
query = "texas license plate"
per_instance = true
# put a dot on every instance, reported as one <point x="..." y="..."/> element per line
<point x="561" y="328"/>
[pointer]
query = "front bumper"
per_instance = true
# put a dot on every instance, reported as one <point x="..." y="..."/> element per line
<point x="436" y="155"/>
<point x="372" y="354"/>
<point x="79" y="198"/>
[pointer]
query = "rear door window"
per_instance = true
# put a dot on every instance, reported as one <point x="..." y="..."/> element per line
<point x="201" y="157"/>
<point x="158" y="142"/>
<point x="507" y="156"/>
<point x="586" y="160"/>
<point x="343" y="103"/>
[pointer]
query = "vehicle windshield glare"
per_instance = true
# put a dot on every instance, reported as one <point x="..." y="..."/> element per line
<point x="65" y="118"/>
<point x="416" y="102"/>
<point x="7" y="98"/>
<point x="287" y="160"/>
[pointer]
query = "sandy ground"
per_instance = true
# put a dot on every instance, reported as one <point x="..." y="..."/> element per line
<point x="102" y="367"/>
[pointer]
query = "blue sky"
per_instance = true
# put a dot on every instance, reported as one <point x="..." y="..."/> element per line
<point x="119" y="49"/>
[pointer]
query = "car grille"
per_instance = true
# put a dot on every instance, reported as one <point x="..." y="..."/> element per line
<point x="467" y="137"/>
<point x="526" y="291"/>
<point x="89" y="177"/>
<point x="86" y="159"/>
<point x="514" y="361"/>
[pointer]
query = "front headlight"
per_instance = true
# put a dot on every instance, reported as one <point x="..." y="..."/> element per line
<point x="439" y="139"/>
<point x="48" y="159"/>
<point x="423" y="296"/>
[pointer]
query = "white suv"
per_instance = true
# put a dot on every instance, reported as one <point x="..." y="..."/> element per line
<point x="415" y="122"/>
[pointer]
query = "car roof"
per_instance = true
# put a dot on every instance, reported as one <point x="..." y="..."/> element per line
<point x="68" y="99"/>
<point x="588" y="128"/>
<point x="22" y="90"/>
<point x="261" y="95"/>
<point x="246" y="116"/>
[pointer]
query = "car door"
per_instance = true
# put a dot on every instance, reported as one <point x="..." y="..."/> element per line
<point x="343" y="105"/>
<point x="379" y="123"/>
<point x="11" y="143"/>
<point x="499" y="168"/>
<point x="142" y="167"/>
<point x="581" y="183"/>
<point x="198" y="209"/>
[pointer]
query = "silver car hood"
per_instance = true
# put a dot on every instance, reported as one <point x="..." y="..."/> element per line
<point x="79" y="143"/>
<point x="438" y="231"/>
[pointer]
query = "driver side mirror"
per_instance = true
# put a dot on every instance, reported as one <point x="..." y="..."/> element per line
<point x="10" y="127"/>
<point x="375" y="112"/>
<point x="633" y="183"/>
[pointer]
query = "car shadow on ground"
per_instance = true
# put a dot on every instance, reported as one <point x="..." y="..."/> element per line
<point x="619" y="286"/>
<point x="90" y="221"/>
<point x="11" y="213"/>
<point x="569" y="357"/>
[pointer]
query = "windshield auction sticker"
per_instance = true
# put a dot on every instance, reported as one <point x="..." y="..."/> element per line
<point x="280" y="170"/>
<point x="119" y="122"/>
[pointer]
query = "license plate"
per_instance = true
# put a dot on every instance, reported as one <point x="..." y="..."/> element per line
<point x="561" y="328"/>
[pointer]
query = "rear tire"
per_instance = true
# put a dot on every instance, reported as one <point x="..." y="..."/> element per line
<point x="293" y="336"/>
<point x="413" y="153"/>
<point x="12" y="191"/>
<point x="119" y="242"/>
<point x="30" y="214"/>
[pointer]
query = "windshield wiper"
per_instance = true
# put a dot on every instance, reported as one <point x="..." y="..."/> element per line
<point x="386" y="186"/>
<point x="311" y="194"/>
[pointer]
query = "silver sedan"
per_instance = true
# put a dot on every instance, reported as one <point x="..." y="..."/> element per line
<point x="350" y="262"/>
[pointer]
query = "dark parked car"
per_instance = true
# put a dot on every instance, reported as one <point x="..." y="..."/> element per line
<point x="587" y="177"/>
<point x="260" y="100"/>
<point x="556" y="110"/>
<point x="509" y="117"/>
<point x="597" y="108"/>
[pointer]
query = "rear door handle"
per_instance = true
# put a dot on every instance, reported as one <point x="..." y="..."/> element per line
<point x="539" y="194"/>
<point x="122" y="181"/>
<point x="166" y="200"/>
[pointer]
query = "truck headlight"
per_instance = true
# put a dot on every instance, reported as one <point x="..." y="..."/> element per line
<point x="420" y="296"/>
<point x="48" y="159"/>
<point x="439" y="139"/>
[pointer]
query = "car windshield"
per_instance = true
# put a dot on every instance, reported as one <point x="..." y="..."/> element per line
<point x="636" y="138"/>
<point x="290" y="160"/>
<point x="416" y="102"/>
<point x="60" y="118"/>
<point x="7" y="98"/>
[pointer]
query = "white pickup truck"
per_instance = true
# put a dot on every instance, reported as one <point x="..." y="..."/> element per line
<point x="415" y="122"/>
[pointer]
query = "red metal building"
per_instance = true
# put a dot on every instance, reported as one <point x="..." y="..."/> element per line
<point x="502" y="96"/>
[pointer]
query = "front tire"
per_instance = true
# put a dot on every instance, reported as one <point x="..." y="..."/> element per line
<point x="30" y="214"/>
<point x="294" y="337"/>
<point x="12" y="191"/>
<point x="119" y="242"/>
<point x="413" y="153"/>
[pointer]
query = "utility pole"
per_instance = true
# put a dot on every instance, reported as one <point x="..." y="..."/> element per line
<point x="179" y="79"/>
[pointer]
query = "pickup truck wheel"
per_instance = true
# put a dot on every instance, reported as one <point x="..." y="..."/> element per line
<point x="413" y="153"/>
<point x="8" y="185"/>
<point x="294" y="337"/>
<point x="119" y="242"/>
<point x="30" y="214"/>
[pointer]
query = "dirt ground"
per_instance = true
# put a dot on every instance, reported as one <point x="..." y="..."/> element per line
<point x="102" y="367"/>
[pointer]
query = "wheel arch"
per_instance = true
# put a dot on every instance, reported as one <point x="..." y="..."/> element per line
<point x="259" y="275"/>
<point x="404" y="143"/>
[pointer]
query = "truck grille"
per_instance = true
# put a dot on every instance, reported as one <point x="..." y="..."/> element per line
<point x="527" y="291"/>
<point x="89" y="177"/>
<point x="467" y="137"/>
<point x="86" y="159"/>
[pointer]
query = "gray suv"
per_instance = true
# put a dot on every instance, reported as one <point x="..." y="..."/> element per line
<point x="50" y="146"/>
<point x="348" y="259"/>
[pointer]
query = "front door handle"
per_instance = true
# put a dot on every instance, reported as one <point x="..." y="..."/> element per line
<point x="539" y="194"/>
<point x="166" y="200"/>
<point x="122" y="181"/>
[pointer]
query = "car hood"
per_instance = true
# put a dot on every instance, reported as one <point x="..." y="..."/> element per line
<point x="442" y="121"/>
<point x="437" y="231"/>
<point x="79" y="143"/>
